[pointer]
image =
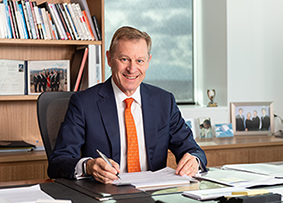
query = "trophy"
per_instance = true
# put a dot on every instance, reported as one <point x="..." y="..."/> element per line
<point x="211" y="95"/>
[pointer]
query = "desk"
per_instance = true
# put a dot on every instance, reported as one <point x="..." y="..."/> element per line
<point x="59" y="191"/>
<point x="15" y="166"/>
<point x="219" y="151"/>
<point x="238" y="149"/>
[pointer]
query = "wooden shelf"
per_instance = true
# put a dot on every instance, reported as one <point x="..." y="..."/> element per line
<point x="34" y="42"/>
<point x="18" y="120"/>
<point x="18" y="97"/>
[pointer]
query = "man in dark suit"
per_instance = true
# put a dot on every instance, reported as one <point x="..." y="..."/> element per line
<point x="255" y="121"/>
<point x="39" y="81"/>
<point x="95" y="120"/>
<point x="265" y="120"/>
<point x="240" y="121"/>
<point x="35" y="79"/>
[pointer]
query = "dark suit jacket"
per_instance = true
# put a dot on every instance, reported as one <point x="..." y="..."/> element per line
<point x="265" y="122"/>
<point x="240" y="123"/>
<point x="91" y="123"/>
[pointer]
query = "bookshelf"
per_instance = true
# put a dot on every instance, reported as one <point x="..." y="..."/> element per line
<point x="18" y="118"/>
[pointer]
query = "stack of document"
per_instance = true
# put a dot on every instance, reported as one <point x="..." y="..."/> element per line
<point x="257" y="168"/>
<point x="148" y="180"/>
<point x="240" y="177"/>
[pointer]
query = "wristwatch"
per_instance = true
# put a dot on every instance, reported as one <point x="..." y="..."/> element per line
<point x="84" y="168"/>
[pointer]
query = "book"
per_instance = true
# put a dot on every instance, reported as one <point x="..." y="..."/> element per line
<point x="71" y="21"/>
<point x="12" y="77"/>
<point x="23" y="22"/>
<point x="92" y="71"/>
<point x="18" y="19"/>
<point x="26" y="19"/>
<point x="12" y="18"/>
<point x="30" y="20"/>
<point x="97" y="29"/>
<point x="34" y="20"/>
<point x="57" y="22"/>
<point x="38" y="21"/>
<point x="50" y="18"/>
<point x="66" y="20"/>
<point x="48" y="75"/>
<point x="84" y="6"/>
<point x="98" y="64"/>
<point x="8" y="20"/>
<point x="12" y="23"/>
<point x="81" y="69"/>
<point x="46" y="24"/>
<point x="76" y="22"/>
<point x="81" y="18"/>
<point x="76" y="64"/>
<point x="52" y="26"/>
<point x="88" y="25"/>
<point x="13" y="14"/>
<point x="2" y="22"/>
<point x="63" y="22"/>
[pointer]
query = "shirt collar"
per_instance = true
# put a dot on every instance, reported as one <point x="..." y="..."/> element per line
<point x="120" y="96"/>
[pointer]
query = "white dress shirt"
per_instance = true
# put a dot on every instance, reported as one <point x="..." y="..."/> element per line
<point x="136" y="109"/>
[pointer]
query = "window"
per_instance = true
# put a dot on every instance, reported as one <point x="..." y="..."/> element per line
<point x="169" y="23"/>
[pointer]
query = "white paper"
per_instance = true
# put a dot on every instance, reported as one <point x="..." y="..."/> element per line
<point x="258" y="168"/>
<point x="147" y="180"/>
<point x="12" y="77"/>
<point x="212" y="193"/>
<point x="240" y="178"/>
<point x="24" y="194"/>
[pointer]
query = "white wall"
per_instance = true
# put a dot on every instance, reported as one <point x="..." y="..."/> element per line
<point x="239" y="52"/>
<point x="255" y="51"/>
<point x="210" y="50"/>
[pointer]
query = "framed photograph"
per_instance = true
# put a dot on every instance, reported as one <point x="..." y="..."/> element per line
<point x="52" y="75"/>
<point x="205" y="128"/>
<point x="224" y="130"/>
<point x="252" y="118"/>
<point x="191" y="123"/>
<point x="12" y="77"/>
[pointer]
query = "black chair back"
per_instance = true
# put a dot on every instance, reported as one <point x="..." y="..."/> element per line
<point x="51" y="110"/>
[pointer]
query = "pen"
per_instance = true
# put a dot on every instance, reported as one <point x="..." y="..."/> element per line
<point x="106" y="160"/>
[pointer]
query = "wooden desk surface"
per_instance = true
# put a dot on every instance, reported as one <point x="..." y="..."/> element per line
<point x="239" y="141"/>
<point x="25" y="182"/>
<point x="238" y="149"/>
<point x="16" y="166"/>
<point x="35" y="155"/>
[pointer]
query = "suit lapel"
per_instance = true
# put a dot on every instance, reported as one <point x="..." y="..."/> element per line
<point x="108" y="112"/>
<point x="149" y="121"/>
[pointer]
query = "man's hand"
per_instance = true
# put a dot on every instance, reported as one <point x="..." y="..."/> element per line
<point x="102" y="171"/>
<point x="188" y="165"/>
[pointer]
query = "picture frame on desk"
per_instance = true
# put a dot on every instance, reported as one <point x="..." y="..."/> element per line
<point x="48" y="75"/>
<point x="252" y="118"/>
<point x="190" y="122"/>
<point x="205" y="127"/>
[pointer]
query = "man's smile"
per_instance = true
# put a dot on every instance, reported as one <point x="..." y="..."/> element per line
<point x="130" y="77"/>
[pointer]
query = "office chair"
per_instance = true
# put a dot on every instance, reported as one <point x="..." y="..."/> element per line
<point x="51" y="110"/>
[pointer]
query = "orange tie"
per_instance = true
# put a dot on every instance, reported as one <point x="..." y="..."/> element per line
<point x="132" y="139"/>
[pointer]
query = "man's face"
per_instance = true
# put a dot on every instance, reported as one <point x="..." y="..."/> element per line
<point x="129" y="64"/>
<point x="240" y="111"/>
<point x="255" y="113"/>
<point x="263" y="111"/>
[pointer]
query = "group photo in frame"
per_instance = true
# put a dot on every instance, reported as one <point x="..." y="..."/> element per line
<point x="49" y="75"/>
<point x="252" y="118"/>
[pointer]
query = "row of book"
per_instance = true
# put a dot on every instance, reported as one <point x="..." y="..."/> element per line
<point x="25" y="19"/>
<point x="27" y="77"/>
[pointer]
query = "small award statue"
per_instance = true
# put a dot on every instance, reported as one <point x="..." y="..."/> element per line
<point x="211" y="95"/>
